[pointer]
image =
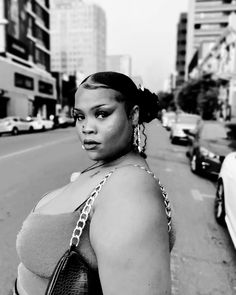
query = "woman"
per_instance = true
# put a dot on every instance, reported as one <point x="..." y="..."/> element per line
<point x="126" y="241"/>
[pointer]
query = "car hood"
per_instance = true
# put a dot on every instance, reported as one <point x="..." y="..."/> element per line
<point x="220" y="147"/>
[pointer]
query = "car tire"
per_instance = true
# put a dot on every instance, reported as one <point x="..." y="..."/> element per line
<point x="220" y="204"/>
<point x="173" y="139"/>
<point x="15" y="131"/>
<point x="43" y="128"/>
<point x="194" y="166"/>
<point x="31" y="129"/>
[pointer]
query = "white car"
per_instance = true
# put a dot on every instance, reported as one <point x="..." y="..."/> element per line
<point x="167" y="119"/>
<point x="14" y="125"/>
<point x="184" y="122"/>
<point x="40" y="123"/>
<point x="225" y="201"/>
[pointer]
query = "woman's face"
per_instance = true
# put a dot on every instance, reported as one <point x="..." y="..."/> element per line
<point x="102" y="123"/>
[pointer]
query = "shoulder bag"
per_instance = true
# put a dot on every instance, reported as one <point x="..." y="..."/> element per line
<point x="72" y="274"/>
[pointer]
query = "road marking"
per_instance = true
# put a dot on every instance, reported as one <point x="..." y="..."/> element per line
<point x="32" y="148"/>
<point x="198" y="196"/>
<point x="168" y="169"/>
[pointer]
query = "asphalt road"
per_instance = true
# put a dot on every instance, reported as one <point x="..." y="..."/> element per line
<point x="203" y="259"/>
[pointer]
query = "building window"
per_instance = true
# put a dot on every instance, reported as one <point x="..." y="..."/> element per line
<point x="45" y="87"/>
<point x="23" y="81"/>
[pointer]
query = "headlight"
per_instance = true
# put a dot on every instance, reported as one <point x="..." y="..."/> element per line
<point x="206" y="153"/>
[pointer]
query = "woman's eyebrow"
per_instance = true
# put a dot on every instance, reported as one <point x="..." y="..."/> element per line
<point x="93" y="108"/>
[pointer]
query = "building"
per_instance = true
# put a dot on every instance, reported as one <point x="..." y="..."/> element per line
<point x="220" y="63"/>
<point x="207" y="19"/>
<point x="119" y="63"/>
<point x="181" y="49"/>
<point x="78" y="37"/>
<point x="26" y="85"/>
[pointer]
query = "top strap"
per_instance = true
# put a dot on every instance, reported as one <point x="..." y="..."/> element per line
<point x="77" y="232"/>
<point x="164" y="195"/>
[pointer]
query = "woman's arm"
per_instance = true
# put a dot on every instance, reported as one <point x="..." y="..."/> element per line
<point x="130" y="237"/>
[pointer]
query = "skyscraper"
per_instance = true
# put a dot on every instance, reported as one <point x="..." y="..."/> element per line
<point x="78" y="37"/>
<point x="26" y="85"/>
<point x="181" y="49"/>
<point x="119" y="63"/>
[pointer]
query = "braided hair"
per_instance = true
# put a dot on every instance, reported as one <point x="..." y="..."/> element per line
<point x="131" y="95"/>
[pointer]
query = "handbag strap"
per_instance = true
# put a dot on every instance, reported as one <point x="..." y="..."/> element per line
<point x="77" y="232"/>
<point x="164" y="195"/>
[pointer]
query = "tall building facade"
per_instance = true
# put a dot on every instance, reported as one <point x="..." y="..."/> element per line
<point x="207" y="19"/>
<point x="26" y="85"/>
<point x="181" y="49"/>
<point x="78" y="37"/>
<point x="119" y="63"/>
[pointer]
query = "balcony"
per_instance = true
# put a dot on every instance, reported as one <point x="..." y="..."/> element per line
<point x="211" y="20"/>
<point x="207" y="7"/>
<point x="210" y="33"/>
<point x="42" y="4"/>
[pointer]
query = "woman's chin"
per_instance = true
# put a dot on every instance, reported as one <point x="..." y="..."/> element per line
<point x="93" y="155"/>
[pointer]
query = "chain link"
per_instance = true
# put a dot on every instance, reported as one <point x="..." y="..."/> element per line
<point x="164" y="195"/>
<point x="77" y="232"/>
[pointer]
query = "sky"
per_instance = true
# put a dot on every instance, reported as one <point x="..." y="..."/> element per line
<point x="145" y="30"/>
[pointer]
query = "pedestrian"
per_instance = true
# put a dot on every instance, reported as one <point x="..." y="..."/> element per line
<point x="124" y="235"/>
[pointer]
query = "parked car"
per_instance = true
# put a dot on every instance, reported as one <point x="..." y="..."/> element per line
<point x="167" y="119"/>
<point x="15" y="125"/>
<point x="64" y="121"/>
<point x="208" y="145"/>
<point x="225" y="201"/>
<point x="40" y="123"/>
<point x="183" y="122"/>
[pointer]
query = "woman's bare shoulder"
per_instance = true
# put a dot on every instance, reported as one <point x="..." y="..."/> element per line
<point x="134" y="181"/>
<point x="130" y="192"/>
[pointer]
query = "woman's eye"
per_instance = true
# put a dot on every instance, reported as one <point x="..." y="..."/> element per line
<point x="102" y="115"/>
<point x="79" y="117"/>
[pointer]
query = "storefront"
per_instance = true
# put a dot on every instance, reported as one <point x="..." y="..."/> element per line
<point x="27" y="91"/>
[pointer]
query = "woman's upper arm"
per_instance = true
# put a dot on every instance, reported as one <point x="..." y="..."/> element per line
<point x="130" y="238"/>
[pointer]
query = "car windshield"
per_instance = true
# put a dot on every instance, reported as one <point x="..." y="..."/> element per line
<point x="187" y="119"/>
<point x="216" y="132"/>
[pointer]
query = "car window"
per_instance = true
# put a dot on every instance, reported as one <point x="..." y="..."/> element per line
<point x="231" y="132"/>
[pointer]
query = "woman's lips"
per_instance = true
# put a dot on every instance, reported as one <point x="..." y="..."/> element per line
<point x="91" y="145"/>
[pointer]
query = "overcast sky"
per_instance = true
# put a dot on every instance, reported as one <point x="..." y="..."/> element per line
<point x="146" y="30"/>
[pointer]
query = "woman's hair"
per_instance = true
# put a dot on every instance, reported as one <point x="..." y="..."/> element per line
<point x="131" y="95"/>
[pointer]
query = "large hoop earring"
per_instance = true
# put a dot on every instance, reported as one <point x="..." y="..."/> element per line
<point x="137" y="139"/>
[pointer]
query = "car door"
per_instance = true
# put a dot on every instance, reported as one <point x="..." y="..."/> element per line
<point x="24" y="125"/>
<point x="230" y="189"/>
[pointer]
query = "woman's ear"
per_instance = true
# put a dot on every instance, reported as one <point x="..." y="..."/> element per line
<point x="134" y="115"/>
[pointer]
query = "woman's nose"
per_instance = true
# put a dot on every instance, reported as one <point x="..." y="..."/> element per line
<point x="88" y="127"/>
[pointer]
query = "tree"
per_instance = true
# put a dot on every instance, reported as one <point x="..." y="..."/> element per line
<point x="200" y="97"/>
<point x="166" y="100"/>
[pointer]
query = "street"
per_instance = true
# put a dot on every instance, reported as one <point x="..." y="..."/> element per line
<point x="203" y="260"/>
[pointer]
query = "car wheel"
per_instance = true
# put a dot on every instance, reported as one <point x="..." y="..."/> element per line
<point x="173" y="139"/>
<point x="43" y="128"/>
<point x="220" y="204"/>
<point x="194" y="164"/>
<point x="31" y="129"/>
<point x="15" y="131"/>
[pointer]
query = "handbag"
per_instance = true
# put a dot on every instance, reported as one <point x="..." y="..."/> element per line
<point x="72" y="275"/>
